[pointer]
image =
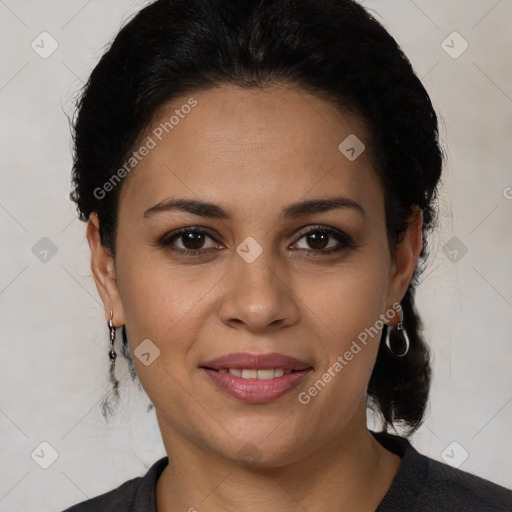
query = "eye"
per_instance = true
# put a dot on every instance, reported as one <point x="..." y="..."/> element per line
<point x="192" y="241"/>
<point x="318" y="240"/>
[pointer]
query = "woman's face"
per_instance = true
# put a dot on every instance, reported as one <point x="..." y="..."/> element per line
<point x="263" y="274"/>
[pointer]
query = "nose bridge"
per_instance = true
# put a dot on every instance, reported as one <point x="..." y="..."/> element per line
<point x="256" y="268"/>
<point x="257" y="293"/>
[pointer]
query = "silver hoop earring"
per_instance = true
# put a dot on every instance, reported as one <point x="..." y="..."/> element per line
<point x="399" y="327"/>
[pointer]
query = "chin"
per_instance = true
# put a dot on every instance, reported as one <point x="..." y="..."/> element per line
<point x="262" y="451"/>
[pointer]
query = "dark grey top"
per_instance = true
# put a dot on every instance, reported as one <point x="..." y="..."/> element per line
<point x="421" y="484"/>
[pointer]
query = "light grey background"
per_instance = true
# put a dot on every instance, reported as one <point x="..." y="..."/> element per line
<point x="54" y="343"/>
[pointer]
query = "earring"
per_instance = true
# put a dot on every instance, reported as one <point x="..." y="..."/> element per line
<point x="399" y="327"/>
<point x="112" y="354"/>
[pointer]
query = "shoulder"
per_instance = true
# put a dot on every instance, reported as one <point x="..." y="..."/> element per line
<point x="137" y="494"/>
<point x="425" y="484"/>
<point x="459" y="489"/>
<point x="120" y="498"/>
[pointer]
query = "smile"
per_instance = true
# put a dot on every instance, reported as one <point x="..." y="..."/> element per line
<point x="248" y="373"/>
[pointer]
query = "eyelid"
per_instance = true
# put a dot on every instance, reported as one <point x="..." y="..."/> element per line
<point x="344" y="239"/>
<point x="319" y="227"/>
<point x="165" y="241"/>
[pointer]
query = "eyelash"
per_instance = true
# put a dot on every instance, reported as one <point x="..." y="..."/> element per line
<point x="345" y="240"/>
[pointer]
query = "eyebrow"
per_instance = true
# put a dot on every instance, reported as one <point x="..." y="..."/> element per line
<point x="292" y="211"/>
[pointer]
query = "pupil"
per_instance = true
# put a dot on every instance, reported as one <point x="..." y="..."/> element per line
<point x="189" y="239"/>
<point x="318" y="240"/>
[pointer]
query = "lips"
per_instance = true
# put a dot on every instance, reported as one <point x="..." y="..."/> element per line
<point x="244" y="360"/>
<point x="256" y="378"/>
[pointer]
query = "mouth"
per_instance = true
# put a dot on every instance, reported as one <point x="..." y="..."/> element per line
<point x="250" y="373"/>
<point x="256" y="378"/>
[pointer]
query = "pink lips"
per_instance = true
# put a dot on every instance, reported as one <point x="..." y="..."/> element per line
<point x="256" y="362"/>
<point x="256" y="390"/>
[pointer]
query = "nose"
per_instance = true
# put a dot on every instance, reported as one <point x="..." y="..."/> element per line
<point x="258" y="295"/>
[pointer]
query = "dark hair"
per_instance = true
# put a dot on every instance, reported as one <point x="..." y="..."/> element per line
<point x="332" y="48"/>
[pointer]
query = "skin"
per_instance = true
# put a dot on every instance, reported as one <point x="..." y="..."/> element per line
<point x="254" y="152"/>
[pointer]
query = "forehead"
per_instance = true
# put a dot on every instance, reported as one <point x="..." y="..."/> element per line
<point x="250" y="146"/>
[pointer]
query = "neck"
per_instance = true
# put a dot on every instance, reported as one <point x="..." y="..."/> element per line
<point x="351" y="472"/>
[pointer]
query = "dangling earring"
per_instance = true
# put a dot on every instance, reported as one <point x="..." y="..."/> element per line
<point x="112" y="355"/>
<point x="399" y="327"/>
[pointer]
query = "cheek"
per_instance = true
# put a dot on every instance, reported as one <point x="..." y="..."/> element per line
<point x="155" y="294"/>
<point x="346" y="313"/>
<point x="345" y="305"/>
<point x="349" y="298"/>
<point x="163" y="303"/>
<point x="161" y="307"/>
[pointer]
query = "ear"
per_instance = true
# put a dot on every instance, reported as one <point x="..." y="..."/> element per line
<point x="406" y="257"/>
<point x="103" y="271"/>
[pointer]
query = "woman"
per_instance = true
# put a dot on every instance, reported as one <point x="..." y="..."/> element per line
<point x="259" y="180"/>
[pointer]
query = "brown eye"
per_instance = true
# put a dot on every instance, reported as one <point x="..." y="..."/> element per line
<point x="192" y="240"/>
<point x="318" y="240"/>
<point x="188" y="241"/>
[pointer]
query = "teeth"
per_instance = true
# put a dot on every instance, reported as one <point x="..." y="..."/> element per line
<point x="256" y="374"/>
<point x="266" y="374"/>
